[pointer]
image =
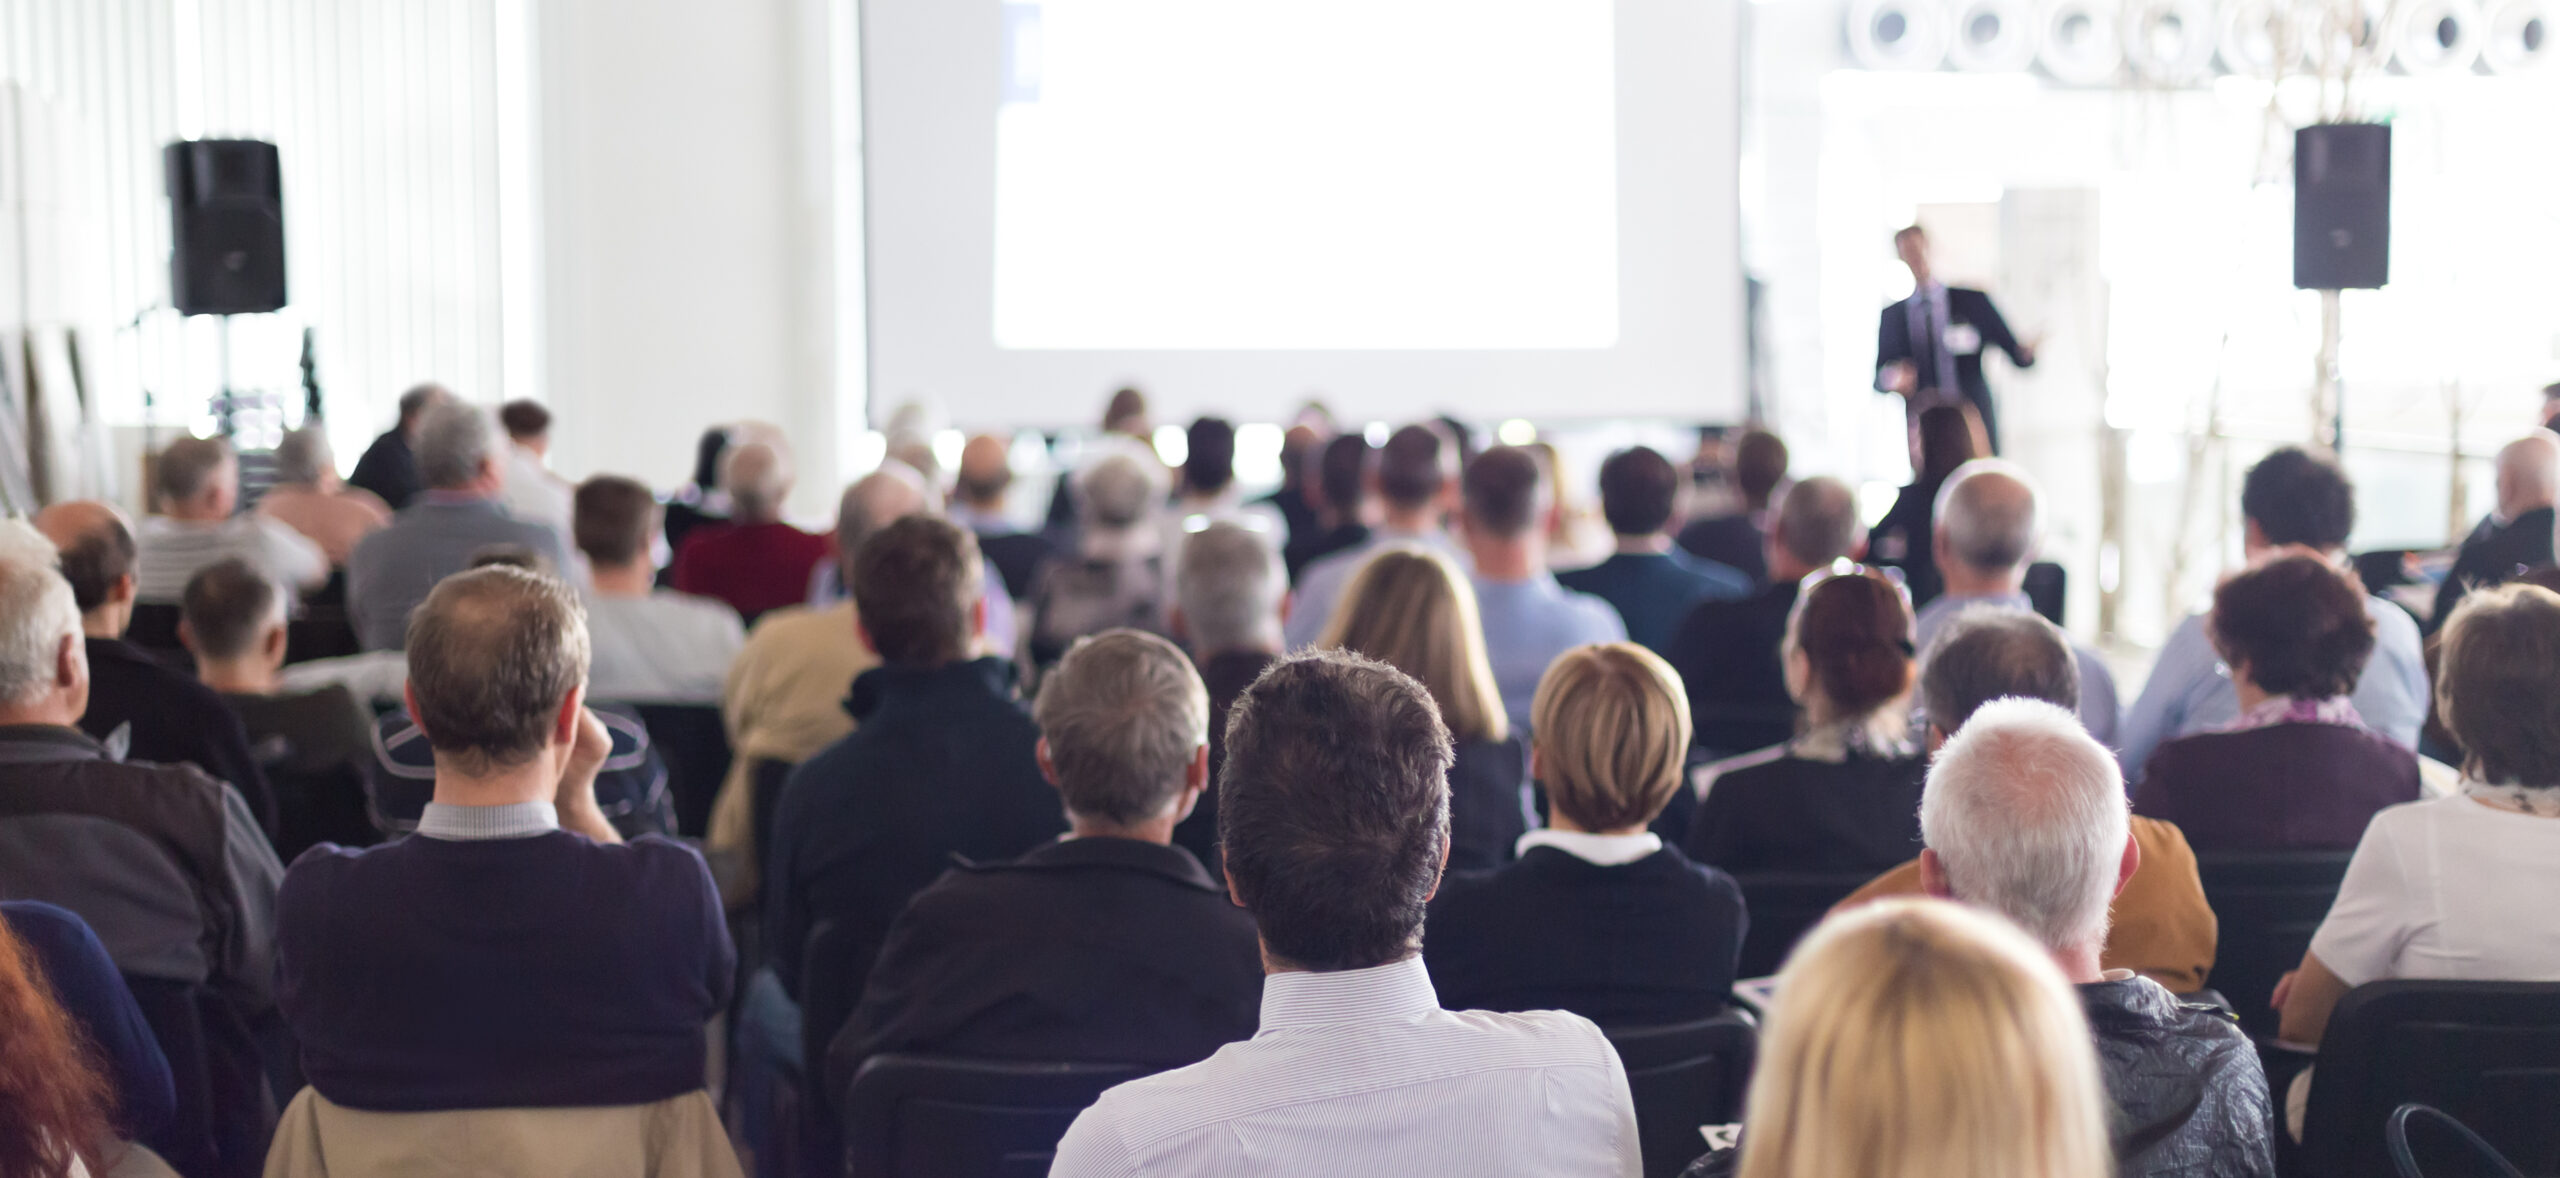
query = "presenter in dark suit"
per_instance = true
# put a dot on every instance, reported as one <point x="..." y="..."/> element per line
<point x="1929" y="346"/>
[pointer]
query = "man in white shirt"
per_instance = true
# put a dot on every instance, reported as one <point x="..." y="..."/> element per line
<point x="530" y="491"/>
<point x="1415" y="472"/>
<point x="651" y="645"/>
<point x="199" y="484"/>
<point x="1990" y="521"/>
<point x="1335" y="822"/>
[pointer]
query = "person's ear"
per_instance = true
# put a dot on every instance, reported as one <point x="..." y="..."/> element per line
<point x="1235" y="895"/>
<point x="564" y="726"/>
<point x="1937" y="738"/>
<point x="1173" y="622"/>
<point x="1439" y="871"/>
<point x="1196" y="774"/>
<point x="1537" y="762"/>
<point x="978" y="617"/>
<point x="2129" y="863"/>
<point x="490" y="472"/>
<point x="275" y="643"/>
<point x="120" y="590"/>
<point x="409" y="704"/>
<point x="1938" y="544"/>
<point x="2252" y="537"/>
<point x="70" y="660"/>
<point x="1288" y="601"/>
<point x="187" y="638"/>
<point x="1048" y="767"/>
<point x="1933" y="876"/>
<point x="863" y="632"/>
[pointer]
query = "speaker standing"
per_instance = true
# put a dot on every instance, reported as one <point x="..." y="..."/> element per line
<point x="1929" y="346"/>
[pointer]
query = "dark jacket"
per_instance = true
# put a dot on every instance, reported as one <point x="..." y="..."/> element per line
<point x="2188" y="1096"/>
<point x="1088" y="950"/>
<point x="171" y="718"/>
<point x="1905" y="539"/>
<point x="1654" y="591"/>
<point x="1226" y="673"/>
<point x="1727" y="656"/>
<point x="389" y="469"/>
<point x="2282" y="787"/>
<point x="84" y="980"/>
<point x="1488" y="802"/>
<point x="1640" y="944"/>
<point x="1734" y="541"/>
<point x="1314" y="544"/>
<point x="1970" y="308"/>
<point x="2493" y="554"/>
<point x="1775" y="811"/>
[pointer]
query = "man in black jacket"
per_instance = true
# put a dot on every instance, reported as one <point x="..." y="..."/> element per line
<point x="2517" y="536"/>
<point x="1110" y="945"/>
<point x="1929" y="346"/>
<point x="389" y="467"/>
<point x="1727" y="651"/>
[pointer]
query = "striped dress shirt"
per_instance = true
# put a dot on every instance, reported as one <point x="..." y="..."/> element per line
<point x="1360" y="1073"/>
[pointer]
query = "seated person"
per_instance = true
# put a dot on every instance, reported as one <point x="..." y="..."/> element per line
<point x="138" y="707"/>
<point x="2025" y="816"/>
<point x="56" y="950"/>
<point x="458" y="515"/>
<point x="1338" y="494"/>
<point x="1740" y="540"/>
<point x="1529" y="619"/>
<point x="1109" y="945"/>
<point x="1651" y="582"/>
<point x="1945" y="439"/>
<point x="2514" y="538"/>
<point x="388" y="469"/>
<point x="1410" y="481"/>
<point x="2159" y="925"/>
<point x="1335" y="824"/>
<point x="1230" y="599"/>
<point x="514" y="952"/>
<point x="631" y="786"/>
<point x="1411" y="608"/>
<point x="1727" y="651"/>
<point x="1116" y="577"/>
<point x="1845" y="796"/>
<point x="978" y="504"/>
<point x="753" y="560"/>
<point x="1989" y="523"/>
<point x="314" y="745"/>
<point x="198" y="480"/>
<point x="651" y="645"/>
<point x="1597" y="917"/>
<point x="309" y="498"/>
<point x="2298" y="770"/>
<point x="528" y="489"/>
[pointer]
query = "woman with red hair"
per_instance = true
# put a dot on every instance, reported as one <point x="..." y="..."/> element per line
<point x="53" y="1102"/>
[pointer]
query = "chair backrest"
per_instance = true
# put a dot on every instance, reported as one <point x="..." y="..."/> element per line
<point x="2486" y="1053"/>
<point x="1784" y="906"/>
<point x="154" y="626"/>
<point x="914" y="1116"/>
<point x="695" y="745"/>
<point x="679" y="1137"/>
<point x="2425" y="1143"/>
<point x="2047" y="586"/>
<point x="225" y="1111"/>
<point x="1684" y="1076"/>
<point x="2267" y="904"/>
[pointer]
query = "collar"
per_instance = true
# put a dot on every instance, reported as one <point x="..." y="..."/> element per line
<point x="1077" y="854"/>
<point x="1949" y="601"/>
<point x="1840" y="741"/>
<point x="1598" y="850"/>
<point x="22" y="744"/>
<point x="2539" y="801"/>
<point x="884" y="686"/>
<point x="434" y="498"/>
<point x="2284" y="709"/>
<point x="479" y="824"/>
<point x="1383" y="993"/>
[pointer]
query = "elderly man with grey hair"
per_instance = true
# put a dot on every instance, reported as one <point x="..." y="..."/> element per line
<point x="1990" y="522"/>
<point x="393" y="569"/>
<point x="2024" y="814"/>
<point x="1230" y="599"/>
<point x="1109" y="945"/>
<point x="1116" y="576"/>
<point x="2517" y="534"/>
<point x="755" y="561"/>
<point x="197" y="481"/>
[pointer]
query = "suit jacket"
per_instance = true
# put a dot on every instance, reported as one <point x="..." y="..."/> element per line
<point x="1640" y="944"/>
<point x="1488" y="802"/>
<point x="172" y="719"/>
<point x="1734" y="541"/>
<point x="1652" y="592"/>
<point x="1102" y="950"/>
<point x="1727" y="656"/>
<point x="392" y="570"/>
<point x="2493" y="554"/>
<point x="1970" y="308"/>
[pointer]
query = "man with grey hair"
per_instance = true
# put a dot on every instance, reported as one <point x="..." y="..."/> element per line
<point x="1990" y="523"/>
<point x="166" y="863"/>
<point x="755" y="561"/>
<point x="2024" y="814"/>
<point x="197" y="482"/>
<point x="393" y="569"/>
<point x="2514" y="536"/>
<point x="1230" y="600"/>
<point x="1109" y="945"/>
<point x="1116" y="578"/>
<point x="1727" y="651"/>
<point x="309" y="497"/>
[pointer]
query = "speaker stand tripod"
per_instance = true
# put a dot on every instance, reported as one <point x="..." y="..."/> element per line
<point x="2328" y="394"/>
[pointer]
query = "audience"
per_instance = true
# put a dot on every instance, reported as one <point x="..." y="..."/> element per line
<point x="1339" y="495"/>
<point x="1229" y="598"/>
<point x="457" y="515"/>
<point x="700" y="501"/>
<point x="2025" y="816"/>
<point x="1906" y="537"/>
<point x="651" y="645"/>
<point x="166" y="863"/>
<point x="1411" y="609"/>
<point x="1529" y="618"/>
<point x="1741" y="540"/>
<point x="2289" y="498"/>
<point x="1335" y="824"/>
<point x="527" y="488"/>
<point x="140" y="709"/>
<point x="1125" y="430"/>
<point x="1109" y="945"/>
<point x="1844" y="795"/>
<point x="1652" y="583"/>
<point x="198" y="480"/>
<point x="1297" y="497"/>
<point x="2298" y="770"/>
<point x="389" y="468"/>
<point x="1411" y="480"/>
<point x="516" y="952"/>
<point x="1598" y="916"/>
<point x="313" y="746"/>
<point x="753" y="561"/>
<point x="1116" y="577"/>
<point x="1727" y="651"/>
<point x="2517" y="536"/>
<point x="631" y="787"/>
<point x="309" y="497"/>
<point x="55" y="1103"/>
<point x="1205" y="491"/>
<point x="978" y="504"/>
<point x="2159" y="925"/>
<point x="1919" y="1038"/>
<point x="1988" y="523"/>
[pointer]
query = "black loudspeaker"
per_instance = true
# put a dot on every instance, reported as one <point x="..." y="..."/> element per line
<point x="226" y="227"/>
<point x="2342" y="206"/>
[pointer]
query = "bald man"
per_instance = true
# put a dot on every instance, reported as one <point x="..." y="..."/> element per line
<point x="978" y="504"/>
<point x="2517" y="536"/>
<point x="1990" y="522"/>
<point x="755" y="562"/>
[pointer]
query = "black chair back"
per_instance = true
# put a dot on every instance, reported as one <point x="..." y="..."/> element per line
<point x="226" y="1112"/>
<point x="154" y="626"/>
<point x="914" y="1116"/>
<point x="695" y="745"/>
<point x="2426" y="1143"/>
<point x="2486" y="1053"/>
<point x="2267" y="904"/>
<point x="1784" y="906"/>
<point x="1684" y="1076"/>
<point x="2047" y="587"/>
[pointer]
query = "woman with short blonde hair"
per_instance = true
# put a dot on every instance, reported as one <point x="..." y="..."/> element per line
<point x="1613" y="732"/>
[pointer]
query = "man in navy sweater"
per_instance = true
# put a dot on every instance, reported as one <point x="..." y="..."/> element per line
<point x="515" y="952"/>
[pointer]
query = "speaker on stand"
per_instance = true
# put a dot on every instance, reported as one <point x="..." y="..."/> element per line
<point x="2341" y="239"/>
<point x="226" y="236"/>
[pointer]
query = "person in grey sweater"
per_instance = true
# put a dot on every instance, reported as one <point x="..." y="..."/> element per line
<point x="433" y="538"/>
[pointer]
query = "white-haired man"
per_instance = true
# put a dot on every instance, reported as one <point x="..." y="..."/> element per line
<point x="2516" y="535"/>
<point x="1990" y="522"/>
<point x="2025" y="814"/>
<point x="755" y="562"/>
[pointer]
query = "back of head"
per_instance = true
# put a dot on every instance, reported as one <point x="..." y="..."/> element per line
<point x="513" y="556"/>
<point x="493" y="654"/>
<point x="2299" y="625"/>
<point x="188" y="466"/>
<point x="916" y="584"/>
<point x="1342" y="474"/>
<point x="1411" y="608"/>
<point x="227" y="608"/>
<point x="1228" y="583"/>
<point x="708" y="450"/>
<point x="1855" y="633"/>
<point x="524" y="420"/>
<point x="420" y="398"/>
<point x="1919" y="1039"/>
<point x="1991" y="514"/>
<point x="53" y="1112"/>
<point x="1126" y="413"/>
<point x="1947" y="441"/>
<point x="1506" y="493"/>
<point x="876" y="500"/>
<point x="2529" y="472"/>
<point x="2498" y="687"/>
<point x="986" y="472"/>
<point x="1993" y="652"/>
<point x="455" y="442"/>
<point x="2297" y="497"/>
<point x="36" y="613"/>
<point x="1639" y="491"/>
<point x="1818" y="521"/>
<point x="1333" y="809"/>
<point x="758" y="476"/>
<point x="1414" y="466"/>
<point x="2026" y="811"/>
<point x="96" y="548"/>
<point x="1209" y="464"/>
<point x="303" y="456"/>
<point x="611" y="518"/>
<point x="1613" y="734"/>
<point x="1115" y="494"/>
<point x="1124" y="714"/>
<point x="1759" y="465"/>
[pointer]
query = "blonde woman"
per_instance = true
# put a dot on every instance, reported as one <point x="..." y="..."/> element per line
<point x="1920" y="1039"/>
<point x="1598" y="917"/>
<point x="1411" y="608"/>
